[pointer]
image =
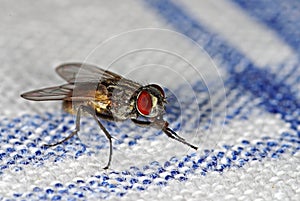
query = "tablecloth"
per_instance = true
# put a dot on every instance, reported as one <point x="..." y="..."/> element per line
<point x="231" y="74"/>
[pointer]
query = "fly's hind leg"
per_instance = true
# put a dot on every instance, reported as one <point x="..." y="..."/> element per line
<point x="77" y="129"/>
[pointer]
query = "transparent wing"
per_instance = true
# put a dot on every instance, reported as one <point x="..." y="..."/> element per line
<point x="70" y="92"/>
<point x="62" y="92"/>
<point x="85" y="82"/>
<point x="81" y="72"/>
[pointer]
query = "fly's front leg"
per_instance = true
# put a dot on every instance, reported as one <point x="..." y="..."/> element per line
<point x="91" y="111"/>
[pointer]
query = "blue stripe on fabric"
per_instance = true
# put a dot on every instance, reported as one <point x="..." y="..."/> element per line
<point x="260" y="82"/>
<point x="105" y="184"/>
<point x="281" y="16"/>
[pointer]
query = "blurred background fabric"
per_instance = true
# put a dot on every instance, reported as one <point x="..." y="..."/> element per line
<point x="232" y="77"/>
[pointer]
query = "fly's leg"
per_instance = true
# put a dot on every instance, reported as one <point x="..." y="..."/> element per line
<point x="77" y="129"/>
<point x="169" y="132"/>
<point x="109" y="137"/>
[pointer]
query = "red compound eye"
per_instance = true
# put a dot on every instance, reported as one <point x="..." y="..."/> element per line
<point x="144" y="103"/>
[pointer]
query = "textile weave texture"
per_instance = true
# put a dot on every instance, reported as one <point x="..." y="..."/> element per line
<point x="230" y="70"/>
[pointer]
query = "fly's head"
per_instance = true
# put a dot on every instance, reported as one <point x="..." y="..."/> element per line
<point x="149" y="105"/>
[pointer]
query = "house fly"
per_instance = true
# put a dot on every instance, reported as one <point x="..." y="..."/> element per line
<point x="108" y="96"/>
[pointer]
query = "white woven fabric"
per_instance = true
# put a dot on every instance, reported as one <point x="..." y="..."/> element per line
<point x="231" y="74"/>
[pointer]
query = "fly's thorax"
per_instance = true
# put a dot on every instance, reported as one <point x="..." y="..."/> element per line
<point x="121" y="103"/>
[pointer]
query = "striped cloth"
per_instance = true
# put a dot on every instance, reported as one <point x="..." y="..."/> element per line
<point x="232" y="78"/>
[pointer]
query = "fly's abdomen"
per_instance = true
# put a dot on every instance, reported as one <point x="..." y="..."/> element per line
<point x="72" y="106"/>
